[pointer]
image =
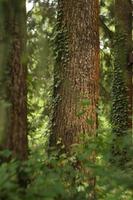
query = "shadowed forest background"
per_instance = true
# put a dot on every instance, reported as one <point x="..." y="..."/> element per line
<point x="66" y="100"/>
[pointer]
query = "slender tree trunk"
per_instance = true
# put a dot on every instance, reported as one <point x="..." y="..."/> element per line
<point x="76" y="71"/>
<point x="122" y="83"/>
<point x="15" y="137"/>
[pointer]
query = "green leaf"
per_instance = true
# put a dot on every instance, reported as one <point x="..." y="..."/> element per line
<point x="90" y="121"/>
<point x="85" y="102"/>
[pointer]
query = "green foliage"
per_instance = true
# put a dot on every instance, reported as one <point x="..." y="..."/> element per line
<point x="66" y="176"/>
<point x="106" y="57"/>
<point x="40" y="72"/>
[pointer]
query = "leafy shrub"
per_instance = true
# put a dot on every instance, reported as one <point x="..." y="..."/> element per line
<point x="66" y="177"/>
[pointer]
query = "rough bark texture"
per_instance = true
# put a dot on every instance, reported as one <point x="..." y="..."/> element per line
<point x="76" y="71"/>
<point x="15" y="28"/>
<point x="122" y="83"/>
<point x="123" y="20"/>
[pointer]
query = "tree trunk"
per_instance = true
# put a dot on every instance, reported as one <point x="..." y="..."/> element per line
<point x="76" y="71"/>
<point x="122" y="83"/>
<point x="16" y="91"/>
<point x="4" y="51"/>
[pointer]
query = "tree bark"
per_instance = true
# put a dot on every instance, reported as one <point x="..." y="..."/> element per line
<point x="123" y="16"/>
<point x="76" y="88"/>
<point x="15" y="137"/>
<point x="122" y="82"/>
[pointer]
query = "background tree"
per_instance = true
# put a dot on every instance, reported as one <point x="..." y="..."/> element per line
<point x="15" y="92"/>
<point x="122" y="81"/>
<point x="4" y="43"/>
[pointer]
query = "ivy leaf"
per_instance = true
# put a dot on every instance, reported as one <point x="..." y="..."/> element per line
<point x="90" y="121"/>
<point x="85" y="102"/>
<point x="81" y="113"/>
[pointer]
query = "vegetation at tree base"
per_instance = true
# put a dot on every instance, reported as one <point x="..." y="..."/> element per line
<point x="66" y="100"/>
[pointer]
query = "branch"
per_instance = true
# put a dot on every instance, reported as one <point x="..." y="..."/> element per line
<point x="105" y="28"/>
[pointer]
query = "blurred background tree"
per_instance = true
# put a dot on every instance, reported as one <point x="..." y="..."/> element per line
<point x="122" y="87"/>
<point x="13" y="77"/>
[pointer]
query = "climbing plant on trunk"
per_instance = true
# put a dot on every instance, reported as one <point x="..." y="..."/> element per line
<point x="76" y="71"/>
<point x="122" y="81"/>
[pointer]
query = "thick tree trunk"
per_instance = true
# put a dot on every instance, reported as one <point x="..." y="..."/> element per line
<point x="122" y="83"/>
<point x="15" y="29"/>
<point x="76" y="71"/>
